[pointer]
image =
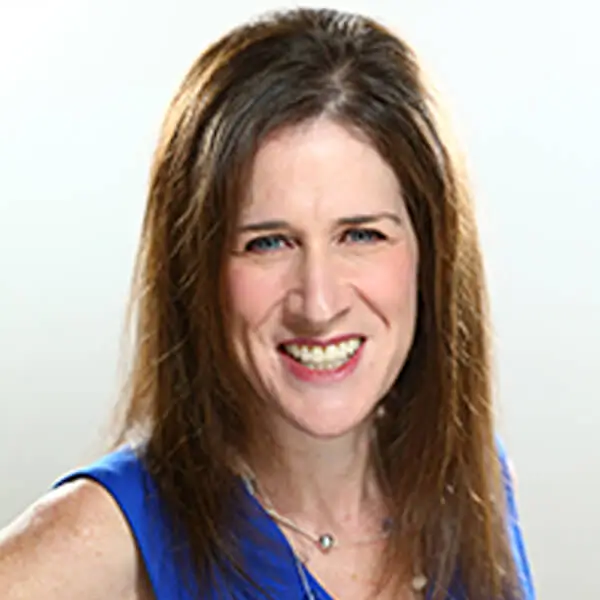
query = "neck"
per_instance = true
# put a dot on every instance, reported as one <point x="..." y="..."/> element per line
<point x="326" y="485"/>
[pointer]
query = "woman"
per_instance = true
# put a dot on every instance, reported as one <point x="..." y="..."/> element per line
<point x="309" y="411"/>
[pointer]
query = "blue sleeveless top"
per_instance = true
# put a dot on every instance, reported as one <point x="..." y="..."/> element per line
<point x="123" y="475"/>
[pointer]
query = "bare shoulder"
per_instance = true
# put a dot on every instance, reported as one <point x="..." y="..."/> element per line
<point x="72" y="543"/>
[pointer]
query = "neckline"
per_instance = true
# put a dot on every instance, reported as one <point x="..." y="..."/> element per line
<point x="295" y="564"/>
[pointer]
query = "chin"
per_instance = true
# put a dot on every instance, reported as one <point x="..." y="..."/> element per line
<point x="331" y="424"/>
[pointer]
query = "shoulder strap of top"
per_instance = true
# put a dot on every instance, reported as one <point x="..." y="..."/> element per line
<point x="263" y="552"/>
<point x="515" y="531"/>
<point x="124" y="477"/>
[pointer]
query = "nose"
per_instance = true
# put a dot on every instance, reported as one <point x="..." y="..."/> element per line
<point x="318" y="294"/>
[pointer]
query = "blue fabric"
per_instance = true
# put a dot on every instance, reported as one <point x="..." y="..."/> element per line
<point x="515" y="532"/>
<point x="269" y="563"/>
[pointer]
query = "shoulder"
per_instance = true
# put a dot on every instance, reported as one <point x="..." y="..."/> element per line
<point x="72" y="543"/>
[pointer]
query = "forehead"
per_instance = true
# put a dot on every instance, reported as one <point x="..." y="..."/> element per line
<point x="322" y="168"/>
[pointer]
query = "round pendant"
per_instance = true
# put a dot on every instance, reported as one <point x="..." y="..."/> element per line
<point x="326" y="542"/>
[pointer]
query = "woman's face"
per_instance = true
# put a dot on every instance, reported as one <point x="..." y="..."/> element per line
<point x="322" y="280"/>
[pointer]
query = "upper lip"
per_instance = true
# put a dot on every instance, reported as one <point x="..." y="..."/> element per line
<point x="306" y="341"/>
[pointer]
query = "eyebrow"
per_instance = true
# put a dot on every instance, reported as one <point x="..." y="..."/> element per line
<point x="343" y="221"/>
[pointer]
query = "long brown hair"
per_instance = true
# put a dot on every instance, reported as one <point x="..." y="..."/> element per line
<point x="438" y="457"/>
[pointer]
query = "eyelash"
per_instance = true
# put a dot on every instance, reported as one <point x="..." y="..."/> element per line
<point x="252" y="246"/>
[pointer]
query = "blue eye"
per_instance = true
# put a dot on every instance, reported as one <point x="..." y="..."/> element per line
<point x="363" y="236"/>
<point x="266" y="243"/>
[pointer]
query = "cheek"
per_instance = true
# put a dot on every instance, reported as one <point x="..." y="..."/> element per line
<point x="251" y="293"/>
<point x="391" y="284"/>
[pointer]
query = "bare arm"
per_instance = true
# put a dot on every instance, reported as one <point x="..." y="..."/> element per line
<point x="72" y="544"/>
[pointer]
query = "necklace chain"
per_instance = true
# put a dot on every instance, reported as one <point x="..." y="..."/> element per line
<point x="325" y="542"/>
<point x="310" y="595"/>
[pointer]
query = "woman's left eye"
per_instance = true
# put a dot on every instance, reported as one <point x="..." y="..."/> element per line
<point x="363" y="236"/>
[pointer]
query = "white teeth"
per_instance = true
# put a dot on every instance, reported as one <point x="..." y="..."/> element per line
<point x="329" y="357"/>
<point x="331" y="353"/>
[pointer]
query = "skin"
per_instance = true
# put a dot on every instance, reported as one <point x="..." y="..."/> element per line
<point x="72" y="544"/>
<point x="317" y="277"/>
<point x="300" y="269"/>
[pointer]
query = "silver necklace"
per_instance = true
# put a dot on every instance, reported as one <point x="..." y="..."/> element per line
<point x="306" y="587"/>
<point x="325" y="542"/>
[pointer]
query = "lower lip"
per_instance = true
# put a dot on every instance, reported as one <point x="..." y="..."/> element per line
<point x="302" y="372"/>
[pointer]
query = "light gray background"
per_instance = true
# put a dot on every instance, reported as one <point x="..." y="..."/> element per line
<point x="84" y="85"/>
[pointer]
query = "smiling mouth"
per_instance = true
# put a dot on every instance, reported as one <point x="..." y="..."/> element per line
<point x="323" y="358"/>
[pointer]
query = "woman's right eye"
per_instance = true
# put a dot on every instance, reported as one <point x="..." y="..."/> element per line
<point x="267" y="243"/>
